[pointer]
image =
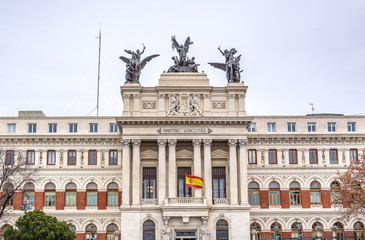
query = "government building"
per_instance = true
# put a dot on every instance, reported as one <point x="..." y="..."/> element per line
<point x="125" y="175"/>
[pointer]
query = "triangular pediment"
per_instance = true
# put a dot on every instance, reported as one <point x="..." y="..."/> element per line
<point x="184" y="154"/>
<point x="149" y="153"/>
<point x="219" y="153"/>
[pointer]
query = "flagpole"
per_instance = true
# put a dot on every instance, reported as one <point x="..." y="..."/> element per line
<point x="97" y="99"/>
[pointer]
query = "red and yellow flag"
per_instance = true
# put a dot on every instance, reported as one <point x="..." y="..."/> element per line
<point x="194" y="181"/>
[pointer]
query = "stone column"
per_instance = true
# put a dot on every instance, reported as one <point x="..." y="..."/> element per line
<point x="172" y="168"/>
<point x="243" y="171"/>
<point x="136" y="179"/>
<point x="208" y="170"/>
<point x="233" y="171"/>
<point x="197" y="164"/>
<point x="161" y="171"/>
<point x="125" y="172"/>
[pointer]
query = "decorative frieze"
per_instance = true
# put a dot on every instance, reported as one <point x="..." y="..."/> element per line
<point x="219" y="105"/>
<point x="149" y="105"/>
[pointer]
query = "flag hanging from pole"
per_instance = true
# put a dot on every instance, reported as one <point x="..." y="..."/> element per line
<point x="194" y="181"/>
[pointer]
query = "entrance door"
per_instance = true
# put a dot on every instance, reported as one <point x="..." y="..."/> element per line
<point x="185" y="235"/>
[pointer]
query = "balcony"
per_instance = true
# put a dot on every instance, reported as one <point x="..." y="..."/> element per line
<point x="185" y="201"/>
<point x="149" y="202"/>
<point x="221" y="201"/>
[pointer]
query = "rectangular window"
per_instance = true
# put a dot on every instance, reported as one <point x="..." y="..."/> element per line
<point x="351" y="127"/>
<point x="29" y="196"/>
<point x="32" y="127"/>
<point x="93" y="127"/>
<point x="252" y="127"/>
<point x="353" y="156"/>
<point x="331" y="127"/>
<point x="70" y="199"/>
<point x="11" y="127"/>
<point x="271" y="127"/>
<point x="274" y="197"/>
<point x="333" y="156"/>
<point x="92" y="157"/>
<point x="315" y="197"/>
<point x="272" y="156"/>
<point x="219" y="182"/>
<point x="313" y="156"/>
<point x="52" y="127"/>
<point x="30" y="157"/>
<point x="113" y="157"/>
<point x="92" y="198"/>
<point x="149" y="182"/>
<point x="9" y="157"/>
<point x="292" y="127"/>
<point x="113" y="127"/>
<point x="293" y="156"/>
<point x="51" y="157"/>
<point x="182" y="190"/>
<point x="71" y="157"/>
<point x="49" y="199"/>
<point x="254" y="197"/>
<point x="252" y="156"/>
<point x="73" y="127"/>
<point x="312" y="127"/>
<point x="112" y="198"/>
<point x="295" y="197"/>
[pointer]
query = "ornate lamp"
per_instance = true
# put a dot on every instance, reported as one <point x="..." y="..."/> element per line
<point x="93" y="230"/>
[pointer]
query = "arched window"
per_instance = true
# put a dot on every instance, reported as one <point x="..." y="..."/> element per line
<point x="255" y="230"/>
<point x="315" y="193"/>
<point x="295" y="198"/>
<point x="90" y="230"/>
<point x="8" y="191"/>
<point x="338" y="227"/>
<point x="72" y="228"/>
<point x="275" y="229"/>
<point x="149" y="230"/>
<point x="112" y="232"/>
<point x="274" y="193"/>
<point x="71" y="194"/>
<point x="2" y="230"/>
<point x="335" y="192"/>
<point x="91" y="194"/>
<point x="359" y="231"/>
<point x="29" y="193"/>
<point x="317" y="230"/>
<point x="113" y="194"/>
<point x="222" y="230"/>
<point x="50" y="195"/>
<point x="295" y="229"/>
<point x="253" y="193"/>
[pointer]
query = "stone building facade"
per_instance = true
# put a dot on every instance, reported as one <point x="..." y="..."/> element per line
<point x="126" y="175"/>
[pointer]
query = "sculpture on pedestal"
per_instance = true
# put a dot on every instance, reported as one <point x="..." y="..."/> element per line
<point x="182" y="63"/>
<point x="166" y="231"/>
<point x="204" y="232"/>
<point x="231" y="65"/>
<point x="135" y="65"/>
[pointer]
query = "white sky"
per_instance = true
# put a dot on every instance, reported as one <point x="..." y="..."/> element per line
<point x="293" y="52"/>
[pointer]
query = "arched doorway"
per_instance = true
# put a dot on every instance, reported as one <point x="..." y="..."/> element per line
<point x="149" y="230"/>
<point x="255" y="230"/>
<point x="359" y="231"/>
<point x="90" y="229"/>
<point x="222" y="230"/>
<point x="339" y="230"/>
<point x="111" y="231"/>
<point x="275" y="229"/>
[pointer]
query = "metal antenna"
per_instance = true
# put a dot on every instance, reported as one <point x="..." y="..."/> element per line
<point x="312" y="107"/>
<point x="97" y="101"/>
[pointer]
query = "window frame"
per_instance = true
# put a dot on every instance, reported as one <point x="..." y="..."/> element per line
<point x="91" y="195"/>
<point x="274" y="195"/>
<point x="149" y="181"/>
<point x="149" y="229"/>
<point x="113" y="128"/>
<point x="254" y="194"/>
<point x="333" y="153"/>
<point x="315" y="194"/>
<point x="90" y="159"/>
<point x="73" y="127"/>
<point x="181" y="179"/>
<point x="313" y="152"/>
<point x="32" y="128"/>
<point x="312" y="127"/>
<point x="113" y="155"/>
<point x="293" y="156"/>
<point x="354" y="156"/>
<point x="93" y="127"/>
<point x="11" y="127"/>
<point x="219" y="190"/>
<point x="250" y="152"/>
<point x="295" y="194"/>
<point x="112" y="195"/>
<point x="273" y="153"/>
<point x="9" y="157"/>
<point x="351" y="127"/>
<point x="331" y="127"/>
<point x="251" y="127"/>
<point x="50" y="192"/>
<point x="271" y="127"/>
<point x="70" y="195"/>
<point x="70" y="157"/>
<point x="53" y="157"/>
<point x="292" y="126"/>
<point x="52" y="127"/>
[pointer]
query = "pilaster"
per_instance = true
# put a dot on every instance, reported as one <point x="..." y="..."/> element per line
<point x="172" y="168"/>
<point x="161" y="170"/>
<point x="136" y="179"/>
<point x="197" y="163"/>
<point x="125" y="173"/>
<point x="233" y="171"/>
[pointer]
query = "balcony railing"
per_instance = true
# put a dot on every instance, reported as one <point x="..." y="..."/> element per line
<point x="221" y="201"/>
<point x="149" y="202"/>
<point x="187" y="201"/>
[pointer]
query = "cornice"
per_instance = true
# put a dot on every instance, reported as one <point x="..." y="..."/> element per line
<point x="59" y="140"/>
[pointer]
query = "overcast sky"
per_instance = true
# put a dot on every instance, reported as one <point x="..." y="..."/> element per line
<point x="293" y="52"/>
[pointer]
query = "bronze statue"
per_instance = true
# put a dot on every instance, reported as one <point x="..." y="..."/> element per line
<point x="182" y="63"/>
<point x="135" y="65"/>
<point x="231" y="66"/>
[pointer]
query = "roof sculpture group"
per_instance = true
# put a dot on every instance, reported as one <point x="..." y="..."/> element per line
<point x="182" y="63"/>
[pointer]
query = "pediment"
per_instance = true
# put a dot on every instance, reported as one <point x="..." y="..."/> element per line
<point x="184" y="154"/>
<point x="149" y="153"/>
<point x="219" y="153"/>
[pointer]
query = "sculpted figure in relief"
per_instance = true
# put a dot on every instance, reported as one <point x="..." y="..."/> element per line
<point x="194" y="107"/>
<point x="184" y="105"/>
<point x="174" y="109"/>
<point x="204" y="232"/>
<point x="166" y="231"/>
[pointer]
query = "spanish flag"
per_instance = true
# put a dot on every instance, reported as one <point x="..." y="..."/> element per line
<point x="193" y="181"/>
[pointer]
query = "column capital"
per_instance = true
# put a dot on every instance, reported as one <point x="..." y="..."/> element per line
<point x="128" y="96"/>
<point x="242" y="142"/>
<point x="197" y="142"/>
<point x="136" y="142"/>
<point x="207" y="142"/>
<point x="232" y="142"/>
<point x="172" y="142"/>
<point x="126" y="142"/>
<point x="161" y="142"/>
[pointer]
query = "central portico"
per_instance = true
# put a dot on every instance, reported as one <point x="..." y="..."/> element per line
<point x="181" y="126"/>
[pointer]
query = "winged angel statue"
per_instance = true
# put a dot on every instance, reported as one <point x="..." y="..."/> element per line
<point x="231" y="65"/>
<point x="135" y="65"/>
<point x="182" y="63"/>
